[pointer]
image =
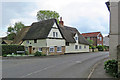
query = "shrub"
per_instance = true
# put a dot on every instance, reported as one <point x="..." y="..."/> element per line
<point x="9" y="49"/>
<point x="4" y="55"/>
<point x="38" y="53"/>
<point x="100" y="48"/>
<point x="111" y="67"/>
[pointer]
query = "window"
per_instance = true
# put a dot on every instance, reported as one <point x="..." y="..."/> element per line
<point x="59" y="49"/>
<point x="26" y="48"/>
<point x="76" y="46"/>
<point x="80" y="47"/>
<point x="40" y="49"/>
<point x="67" y="43"/>
<point x="53" y="34"/>
<point x="88" y="38"/>
<point x="85" y="47"/>
<point x="35" y="41"/>
<point x="76" y="38"/>
<point x="51" y="49"/>
<point x="56" y="34"/>
<point x="100" y="38"/>
<point x="27" y="41"/>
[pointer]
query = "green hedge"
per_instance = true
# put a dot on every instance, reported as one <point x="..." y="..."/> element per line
<point x="100" y="48"/>
<point x="8" y="49"/>
<point x="111" y="67"/>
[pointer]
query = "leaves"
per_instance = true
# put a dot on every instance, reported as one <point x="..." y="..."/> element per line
<point x="12" y="31"/>
<point x="46" y="14"/>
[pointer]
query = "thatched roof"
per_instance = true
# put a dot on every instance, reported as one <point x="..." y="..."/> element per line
<point x="69" y="33"/>
<point x="20" y="35"/>
<point x="40" y="30"/>
<point x="7" y="41"/>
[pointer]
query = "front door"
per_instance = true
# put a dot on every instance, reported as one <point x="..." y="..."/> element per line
<point x="30" y="49"/>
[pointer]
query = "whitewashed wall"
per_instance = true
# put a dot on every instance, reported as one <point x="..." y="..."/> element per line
<point x="40" y="43"/>
<point x="55" y="42"/>
<point x="71" y="47"/>
<point x="55" y="30"/>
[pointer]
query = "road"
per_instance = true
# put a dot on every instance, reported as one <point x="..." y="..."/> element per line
<point x="62" y="66"/>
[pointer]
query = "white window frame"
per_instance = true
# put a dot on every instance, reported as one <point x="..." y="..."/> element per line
<point x="100" y="38"/>
<point x="60" y="49"/>
<point x="52" y="48"/>
<point x="40" y="49"/>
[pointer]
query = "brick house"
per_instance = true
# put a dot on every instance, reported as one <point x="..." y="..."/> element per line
<point x="95" y="36"/>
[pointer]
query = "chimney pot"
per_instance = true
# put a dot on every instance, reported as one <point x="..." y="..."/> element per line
<point x="61" y="23"/>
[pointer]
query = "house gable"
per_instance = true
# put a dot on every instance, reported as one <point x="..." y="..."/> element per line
<point x="55" y="32"/>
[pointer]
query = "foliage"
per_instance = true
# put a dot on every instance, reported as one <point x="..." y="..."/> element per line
<point x="93" y="47"/>
<point x="47" y="14"/>
<point x="11" y="36"/>
<point x="12" y="31"/>
<point x="100" y="48"/>
<point x="9" y="49"/>
<point x="111" y="67"/>
<point x="18" y="26"/>
<point x="38" y="53"/>
<point x="90" y="41"/>
<point x="4" y="55"/>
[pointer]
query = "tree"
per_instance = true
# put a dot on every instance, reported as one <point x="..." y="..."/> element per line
<point x="18" y="26"/>
<point x="47" y="14"/>
<point x="12" y="31"/>
<point x="90" y="41"/>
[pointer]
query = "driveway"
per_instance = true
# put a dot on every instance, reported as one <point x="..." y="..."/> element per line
<point x="63" y="66"/>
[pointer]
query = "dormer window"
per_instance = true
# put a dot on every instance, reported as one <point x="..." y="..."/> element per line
<point x="76" y="38"/>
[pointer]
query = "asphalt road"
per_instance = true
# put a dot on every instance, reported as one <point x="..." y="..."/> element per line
<point x="63" y="66"/>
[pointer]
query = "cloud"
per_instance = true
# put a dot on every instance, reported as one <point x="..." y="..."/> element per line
<point x="85" y="15"/>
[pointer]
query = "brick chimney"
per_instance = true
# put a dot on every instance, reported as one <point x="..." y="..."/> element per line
<point x="61" y="23"/>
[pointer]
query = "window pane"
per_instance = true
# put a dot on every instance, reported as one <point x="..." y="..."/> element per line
<point x="53" y="34"/>
<point x="56" y="34"/>
<point x="59" y="49"/>
<point x="51" y="49"/>
<point x="76" y="46"/>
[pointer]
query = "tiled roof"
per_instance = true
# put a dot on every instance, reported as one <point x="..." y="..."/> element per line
<point x="92" y="34"/>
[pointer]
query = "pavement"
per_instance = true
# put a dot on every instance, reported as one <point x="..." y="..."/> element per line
<point x="64" y="66"/>
<point x="98" y="70"/>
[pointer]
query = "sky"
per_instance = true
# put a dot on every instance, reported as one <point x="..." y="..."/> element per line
<point x="85" y="15"/>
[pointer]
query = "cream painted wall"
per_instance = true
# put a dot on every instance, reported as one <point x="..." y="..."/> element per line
<point x="71" y="47"/>
<point x="40" y="43"/>
<point x="55" y="42"/>
<point x="55" y="30"/>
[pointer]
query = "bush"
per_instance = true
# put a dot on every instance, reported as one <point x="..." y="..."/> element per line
<point x="9" y="49"/>
<point x="111" y="67"/>
<point x="38" y="53"/>
<point x="100" y="48"/>
<point x="4" y="55"/>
